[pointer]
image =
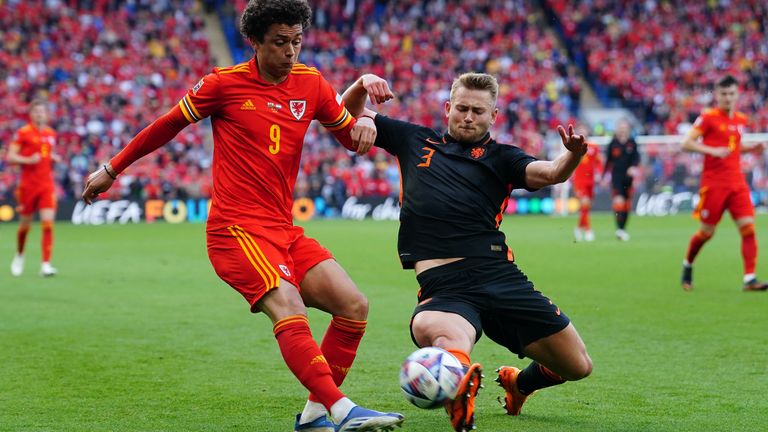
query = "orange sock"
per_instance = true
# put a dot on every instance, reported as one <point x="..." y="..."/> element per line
<point x="748" y="248"/>
<point x="21" y="239"/>
<point x="305" y="360"/>
<point x="47" y="241"/>
<point x="339" y="347"/>
<point x="462" y="356"/>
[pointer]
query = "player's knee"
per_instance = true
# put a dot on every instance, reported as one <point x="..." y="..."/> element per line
<point x="355" y="307"/>
<point x="581" y="369"/>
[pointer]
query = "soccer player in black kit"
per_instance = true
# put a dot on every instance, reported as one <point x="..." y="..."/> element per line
<point x="621" y="160"/>
<point x="455" y="187"/>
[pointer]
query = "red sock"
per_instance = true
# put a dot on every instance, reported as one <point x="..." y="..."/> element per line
<point x="584" y="216"/>
<point x="697" y="241"/>
<point x="305" y="359"/>
<point x="21" y="239"/>
<point x="47" y="241"/>
<point x="462" y="356"/>
<point x="748" y="247"/>
<point x="339" y="347"/>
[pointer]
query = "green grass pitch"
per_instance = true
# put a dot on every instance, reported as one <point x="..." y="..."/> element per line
<point x="137" y="333"/>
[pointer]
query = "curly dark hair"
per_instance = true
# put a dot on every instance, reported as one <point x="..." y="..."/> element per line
<point x="260" y="14"/>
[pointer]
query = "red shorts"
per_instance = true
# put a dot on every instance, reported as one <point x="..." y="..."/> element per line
<point x="253" y="259"/>
<point x="31" y="200"/>
<point x="584" y="190"/>
<point x="715" y="200"/>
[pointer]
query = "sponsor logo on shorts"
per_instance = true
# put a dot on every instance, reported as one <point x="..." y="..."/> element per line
<point x="285" y="270"/>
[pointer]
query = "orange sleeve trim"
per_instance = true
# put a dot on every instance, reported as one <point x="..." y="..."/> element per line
<point x="339" y="117"/>
<point x="184" y="111"/>
<point x="344" y="123"/>
<point x="192" y="107"/>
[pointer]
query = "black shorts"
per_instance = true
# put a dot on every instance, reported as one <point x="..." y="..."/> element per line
<point x="622" y="186"/>
<point x="495" y="297"/>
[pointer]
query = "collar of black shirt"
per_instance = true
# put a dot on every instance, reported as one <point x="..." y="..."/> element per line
<point x="447" y="138"/>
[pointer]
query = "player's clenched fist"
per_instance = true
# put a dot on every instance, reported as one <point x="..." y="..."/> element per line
<point x="98" y="181"/>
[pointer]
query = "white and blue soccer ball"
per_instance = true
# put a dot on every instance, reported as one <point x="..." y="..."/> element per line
<point x="430" y="376"/>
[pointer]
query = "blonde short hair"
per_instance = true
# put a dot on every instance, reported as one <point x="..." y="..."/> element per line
<point x="476" y="81"/>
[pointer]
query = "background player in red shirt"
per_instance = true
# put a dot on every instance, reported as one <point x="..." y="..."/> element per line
<point x="32" y="149"/>
<point x="723" y="186"/>
<point x="584" y="187"/>
<point x="260" y="111"/>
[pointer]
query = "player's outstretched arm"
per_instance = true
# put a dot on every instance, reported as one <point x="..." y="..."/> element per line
<point x="367" y="86"/>
<point x="539" y="174"/>
<point x="148" y="140"/>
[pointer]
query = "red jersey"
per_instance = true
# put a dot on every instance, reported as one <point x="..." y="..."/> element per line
<point x="32" y="140"/>
<point x="258" y="134"/>
<point x="590" y="165"/>
<point x="719" y="130"/>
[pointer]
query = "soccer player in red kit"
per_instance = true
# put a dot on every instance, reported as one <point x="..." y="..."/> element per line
<point x="32" y="149"/>
<point x="723" y="186"/>
<point x="260" y="111"/>
<point x="584" y="187"/>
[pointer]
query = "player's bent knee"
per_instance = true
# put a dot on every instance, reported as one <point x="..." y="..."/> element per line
<point x="580" y="370"/>
<point x="356" y="308"/>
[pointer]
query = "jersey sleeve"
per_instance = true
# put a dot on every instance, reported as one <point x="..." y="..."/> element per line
<point x="392" y="135"/>
<point x="202" y="99"/>
<point x="515" y="162"/>
<point x="702" y="123"/>
<point x="333" y="115"/>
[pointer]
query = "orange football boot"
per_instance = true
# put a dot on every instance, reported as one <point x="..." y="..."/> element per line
<point x="514" y="400"/>
<point x="461" y="408"/>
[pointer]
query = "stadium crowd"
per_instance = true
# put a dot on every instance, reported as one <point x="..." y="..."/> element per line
<point x="663" y="67"/>
<point x="97" y="63"/>
<point x="107" y="68"/>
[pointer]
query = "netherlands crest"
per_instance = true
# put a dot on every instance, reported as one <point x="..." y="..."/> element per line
<point x="477" y="152"/>
<point x="297" y="108"/>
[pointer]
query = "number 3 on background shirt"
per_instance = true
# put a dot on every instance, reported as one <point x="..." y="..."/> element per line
<point x="274" y="136"/>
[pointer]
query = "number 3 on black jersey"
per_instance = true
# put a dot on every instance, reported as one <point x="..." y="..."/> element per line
<point x="427" y="157"/>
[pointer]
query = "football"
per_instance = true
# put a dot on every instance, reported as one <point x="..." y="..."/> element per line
<point x="430" y="376"/>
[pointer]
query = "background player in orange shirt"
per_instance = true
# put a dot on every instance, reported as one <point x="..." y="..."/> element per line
<point x="584" y="187"/>
<point x="32" y="149"/>
<point x="723" y="186"/>
<point x="260" y="111"/>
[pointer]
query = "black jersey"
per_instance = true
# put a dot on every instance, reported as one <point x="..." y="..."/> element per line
<point x="453" y="195"/>
<point x="619" y="157"/>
